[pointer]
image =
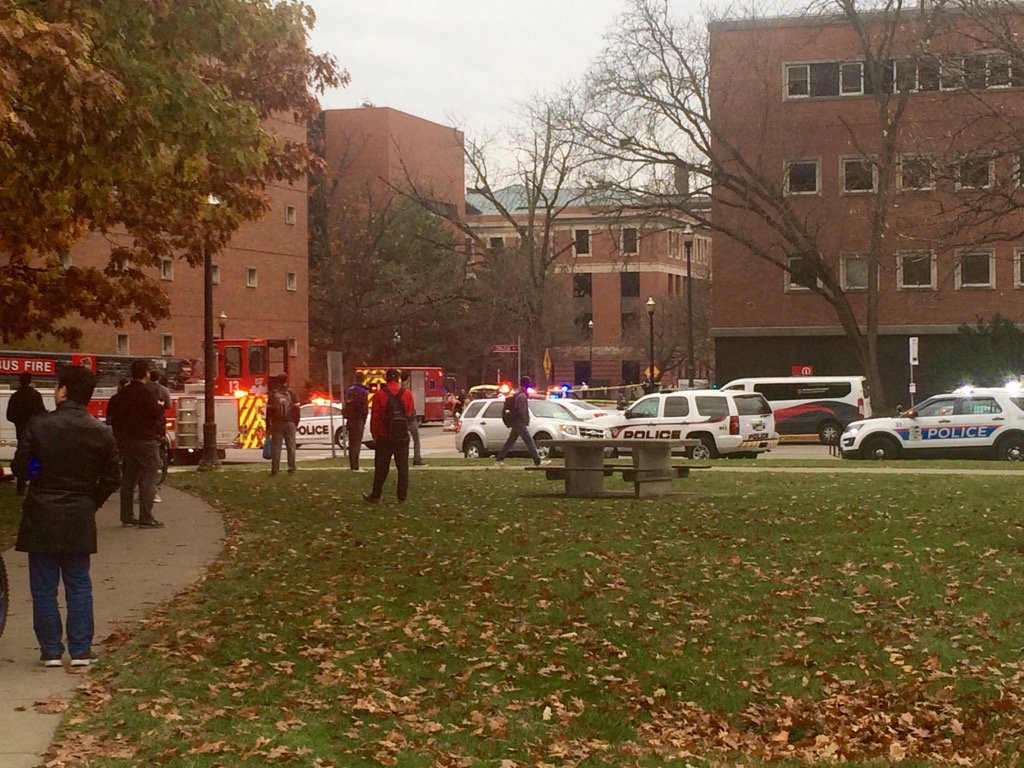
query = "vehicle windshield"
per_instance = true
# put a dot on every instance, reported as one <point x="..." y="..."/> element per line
<point x="752" y="405"/>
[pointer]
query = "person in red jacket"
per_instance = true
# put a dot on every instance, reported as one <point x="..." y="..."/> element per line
<point x="392" y="409"/>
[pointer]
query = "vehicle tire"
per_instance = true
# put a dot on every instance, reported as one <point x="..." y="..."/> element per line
<point x="706" y="450"/>
<point x="473" y="448"/>
<point x="829" y="432"/>
<point x="544" y="452"/>
<point x="880" y="448"/>
<point x="5" y="596"/>
<point x="1010" y="448"/>
<point x="341" y="438"/>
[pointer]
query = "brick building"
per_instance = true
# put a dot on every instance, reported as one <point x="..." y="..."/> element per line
<point x="796" y="95"/>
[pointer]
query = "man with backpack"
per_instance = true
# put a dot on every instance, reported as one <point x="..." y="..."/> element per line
<point x="389" y="426"/>
<point x="282" y="422"/>
<point x="354" y="410"/>
<point x="516" y="416"/>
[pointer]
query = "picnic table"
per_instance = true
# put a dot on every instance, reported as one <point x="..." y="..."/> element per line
<point x="585" y="470"/>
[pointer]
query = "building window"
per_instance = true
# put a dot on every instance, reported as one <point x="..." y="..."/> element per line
<point x="916" y="270"/>
<point x="166" y="269"/>
<point x="581" y="371"/>
<point x="629" y="284"/>
<point x="630" y="371"/>
<point x="950" y="73"/>
<point x="495" y="243"/>
<point x="166" y="345"/>
<point x="855" y="272"/>
<point x="582" y="285"/>
<point x="293" y="347"/>
<point x="905" y="73"/>
<point x="1018" y="268"/>
<point x="630" y="240"/>
<point x="216" y="273"/>
<point x="851" y="78"/>
<point x="974" y="172"/>
<point x="975" y="269"/>
<point x="802" y="177"/>
<point x="858" y="175"/>
<point x="122" y="344"/>
<point x="928" y="74"/>
<point x="1000" y="72"/>
<point x="798" y="81"/>
<point x="582" y="322"/>
<point x="630" y="323"/>
<point x="250" y="277"/>
<point x="291" y="281"/>
<point x="581" y="242"/>
<point x="802" y="273"/>
<point x="289" y="214"/>
<point x="916" y="172"/>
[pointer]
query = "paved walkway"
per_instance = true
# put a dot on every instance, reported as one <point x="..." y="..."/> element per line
<point x="134" y="571"/>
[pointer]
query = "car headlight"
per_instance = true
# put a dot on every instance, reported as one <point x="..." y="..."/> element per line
<point x="568" y="429"/>
<point x="852" y="430"/>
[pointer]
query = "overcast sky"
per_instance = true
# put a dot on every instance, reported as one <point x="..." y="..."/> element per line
<point x="458" y="62"/>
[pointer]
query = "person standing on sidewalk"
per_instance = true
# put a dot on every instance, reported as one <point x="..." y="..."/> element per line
<point x="389" y="426"/>
<point x="138" y="422"/>
<point x="282" y="422"/>
<point x="25" y="403"/>
<point x="519" y="422"/>
<point x="414" y="425"/>
<point x="355" y="410"/>
<point x="70" y="458"/>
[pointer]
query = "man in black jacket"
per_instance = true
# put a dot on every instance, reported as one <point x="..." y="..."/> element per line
<point x="25" y="403"/>
<point x="282" y="419"/>
<point x="519" y="428"/>
<point x="355" y="411"/>
<point x="138" y="422"/>
<point x="70" y="461"/>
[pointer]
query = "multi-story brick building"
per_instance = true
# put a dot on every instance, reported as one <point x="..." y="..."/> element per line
<point x="796" y="97"/>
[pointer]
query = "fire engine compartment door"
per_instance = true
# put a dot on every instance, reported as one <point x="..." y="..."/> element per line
<point x="418" y="385"/>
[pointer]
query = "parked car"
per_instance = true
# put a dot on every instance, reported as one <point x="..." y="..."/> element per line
<point x="969" y="422"/>
<point x="735" y="424"/>
<point x="482" y="432"/>
<point x="584" y="409"/>
<point x="315" y="426"/>
<point x="815" y="407"/>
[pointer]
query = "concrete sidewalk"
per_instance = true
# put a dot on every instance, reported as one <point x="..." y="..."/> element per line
<point x="134" y="571"/>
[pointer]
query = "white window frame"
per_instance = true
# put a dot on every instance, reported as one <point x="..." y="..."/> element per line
<point x="899" y="175"/>
<point x="788" y="286"/>
<point x="842" y="175"/>
<point x="252" y="278"/>
<point x="842" y="79"/>
<point x="293" y="347"/>
<point x="991" y="172"/>
<point x="166" y="269"/>
<point x="807" y="79"/>
<point x="124" y="349"/>
<point x="215" y="270"/>
<point x="817" y="177"/>
<point x="590" y="241"/>
<point x="958" y="278"/>
<point x="988" y="71"/>
<point x="290" y="215"/>
<point x="899" y="271"/>
<point x="167" y="345"/>
<point x="895" y="75"/>
<point x="1018" y="261"/>
<point x="622" y="240"/>
<point x="291" y="281"/>
<point x="844" y="278"/>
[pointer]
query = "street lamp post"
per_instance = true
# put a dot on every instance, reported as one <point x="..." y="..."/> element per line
<point x="650" y="319"/>
<point x="590" y="327"/>
<point x="688" y="242"/>
<point x="209" y="459"/>
<point x="222" y="321"/>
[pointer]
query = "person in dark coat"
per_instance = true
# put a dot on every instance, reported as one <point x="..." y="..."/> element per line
<point x="25" y="403"/>
<point x="283" y="415"/>
<point x="70" y="460"/>
<point x="520" y="423"/>
<point x="355" y="411"/>
<point x="138" y="422"/>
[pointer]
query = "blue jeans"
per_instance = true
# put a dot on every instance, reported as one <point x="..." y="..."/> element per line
<point x="519" y="432"/>
<point x="44" y="574"/>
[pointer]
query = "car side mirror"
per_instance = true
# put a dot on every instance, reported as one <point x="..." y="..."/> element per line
<point x="910" y="413"/>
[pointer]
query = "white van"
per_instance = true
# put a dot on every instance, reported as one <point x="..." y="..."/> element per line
<point x="811" y="406"/>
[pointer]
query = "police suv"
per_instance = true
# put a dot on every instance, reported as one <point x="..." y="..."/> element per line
<point x="737" y="424"/>
<point x="972" y="422"/>
<point x="316" y="425"/>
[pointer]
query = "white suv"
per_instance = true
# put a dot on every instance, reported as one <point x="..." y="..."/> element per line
<point x="738" y="424"/>
<point x="979" y="422"/>
<point x="481" y="430"/>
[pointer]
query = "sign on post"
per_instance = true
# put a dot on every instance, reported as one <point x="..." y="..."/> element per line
<point x="913" y="350"/>
<point x="505" y="348"/>
<point x="547" y="363"/>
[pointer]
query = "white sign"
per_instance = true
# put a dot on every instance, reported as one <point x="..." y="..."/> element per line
<point x="913" y="351"/>
<point x="913" y="387"/>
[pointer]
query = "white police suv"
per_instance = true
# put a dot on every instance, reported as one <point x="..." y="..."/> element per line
<point x="969" y="422"/>
<point x="316" y="425"/>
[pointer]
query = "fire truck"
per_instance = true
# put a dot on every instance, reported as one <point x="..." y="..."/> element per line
<point x="426" y="384"/>
<point x="244" y="367"/>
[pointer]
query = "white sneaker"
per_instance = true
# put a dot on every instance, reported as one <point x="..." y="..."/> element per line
<point x="544" y="463"/>
<point x="52" y="663"/>
<point x="500" y="463"/>
<point x="157" y="499"/>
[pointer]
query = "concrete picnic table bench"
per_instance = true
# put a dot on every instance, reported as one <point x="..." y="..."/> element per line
<point x="584" y="472"/>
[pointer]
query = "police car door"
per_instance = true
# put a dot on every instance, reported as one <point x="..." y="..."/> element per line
<point x="976" y="421"/>
<point x="932" y="427"/>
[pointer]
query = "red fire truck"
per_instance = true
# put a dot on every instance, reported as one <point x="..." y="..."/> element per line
<point x="426" y="384"/>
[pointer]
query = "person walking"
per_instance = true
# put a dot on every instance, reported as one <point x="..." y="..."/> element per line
<point x="355" y="411"/>
<point x="70" y="459"/>
<point x="25" y="403"/>
<point x="163" y="396"/>
<point x="389" y="427"/>
<point x="138" y="422"/>
<point x="518" y="423"/>
<point x="414" y="424"/>
<point x="282" y="422"/>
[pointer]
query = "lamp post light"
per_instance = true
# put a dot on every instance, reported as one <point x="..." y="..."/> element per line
<point x="590" y="327"/>
<point x="222" y="321"/>
<point x="209" y="459"/>
<point x="397" y="339"/>
<point x="650" y="319"/>
<point x="688" y="242"/>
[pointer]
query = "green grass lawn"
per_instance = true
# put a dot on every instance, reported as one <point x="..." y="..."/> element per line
<point x="755" y="619"/>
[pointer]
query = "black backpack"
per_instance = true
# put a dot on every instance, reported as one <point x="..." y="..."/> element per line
<point x="280" y="406"/>
<point x="508" y="411"/>
<point x="395" y="418"/>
